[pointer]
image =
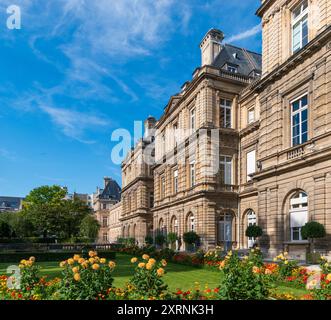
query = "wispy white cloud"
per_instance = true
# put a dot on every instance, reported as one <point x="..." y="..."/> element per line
<point x="73" y="123"/>
<point x="245" y="34"/>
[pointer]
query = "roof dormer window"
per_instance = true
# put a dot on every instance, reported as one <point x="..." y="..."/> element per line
<point x="231" y="68"/>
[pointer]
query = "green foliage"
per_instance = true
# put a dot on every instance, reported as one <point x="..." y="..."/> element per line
<point x="160" y="239"/>
<point x="89" y="227"/>
<point x="242" y="279"/>
<point x="149" y="240"/>
<point x="147" y="279"/>
<point x="172" y="237"/>
<point x="191" y="237"/>
<point x="254" y="231"/>
<point x="89" y="281"/>
<point x="313" y="230"/>
<point x="5" y="229"/>
<point x="47" y="213"/>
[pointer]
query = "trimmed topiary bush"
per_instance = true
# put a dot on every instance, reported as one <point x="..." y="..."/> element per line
<point x="254" y="231"/>
<point x="313" y="230"/>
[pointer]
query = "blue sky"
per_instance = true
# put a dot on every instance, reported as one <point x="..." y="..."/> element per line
<point x="79" y="69"/>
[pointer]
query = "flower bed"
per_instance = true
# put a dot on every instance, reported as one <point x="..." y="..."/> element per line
<point x="241" y="278"/>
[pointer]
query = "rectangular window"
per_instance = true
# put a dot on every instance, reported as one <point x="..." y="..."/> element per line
<point x="298" y="220"/>
<point x="105" y="222"/>
<point x="251" y="115"/>
<point x="162" y="187"/>
<point x="225" y="115"/>
<point x="105" y="237"/>
<point x="175" y="181"/>
<point x="226" y="170"/>
<point x="299" y="121"/>
<point x="251" y="164"/>
<point x="192" y="174"/>
<point x="232" y="69"/>
<point x="300" y="26"/>
<point x="192" y="120"/>
<point x="151" y="200"/>
<point x="104" y="206"/>
<point x="175" y="127"/>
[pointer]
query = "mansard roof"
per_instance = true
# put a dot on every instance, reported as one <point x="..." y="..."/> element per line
<point x="244" y="60"/>
<point x="111" y="191"/>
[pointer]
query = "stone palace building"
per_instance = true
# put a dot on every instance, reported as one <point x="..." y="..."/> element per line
<point x="246" y="141"/>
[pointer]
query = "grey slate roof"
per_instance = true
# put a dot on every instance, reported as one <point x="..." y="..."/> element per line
<point x="246" y="61"/>
<point x="111" y="191"/>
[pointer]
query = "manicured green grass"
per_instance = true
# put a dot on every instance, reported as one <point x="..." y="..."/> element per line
<point x="178" y="276"/>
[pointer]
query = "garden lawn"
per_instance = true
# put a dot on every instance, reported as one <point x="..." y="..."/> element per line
<point x="177" y="277"/>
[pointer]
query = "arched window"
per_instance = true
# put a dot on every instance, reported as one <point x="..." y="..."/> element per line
<point x="190" y="222"/>
<point x="224" y="235"/>
<point x="174" y="224"/>
<point x="298" y="214"/>
<point x="251" y="221"/>
<point x="128" y="231"/>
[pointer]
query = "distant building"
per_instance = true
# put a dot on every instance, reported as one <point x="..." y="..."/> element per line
<point x="10" y="204"/>
<point x="108" y="210"/>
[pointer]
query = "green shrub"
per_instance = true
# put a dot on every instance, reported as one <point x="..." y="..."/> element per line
<point x="160" y="239"/>
<point x="191" y="237"/>
<point x="243" y="279"/>
<point x="313" y="230"/>
<point x="147" y="279"/>
<point x="149" y="240"/>
<point x="254" y="231"/>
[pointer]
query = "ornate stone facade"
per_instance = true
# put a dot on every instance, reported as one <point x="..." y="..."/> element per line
<point x="246" y="141"/>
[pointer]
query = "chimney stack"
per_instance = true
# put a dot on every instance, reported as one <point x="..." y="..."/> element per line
<point x="211" y="46"/>
<point x="149" y="127"/>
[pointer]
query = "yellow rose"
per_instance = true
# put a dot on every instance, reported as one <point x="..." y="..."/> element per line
<point x="62" y="264"/>
<point x="134" y="260"/>
<point x="103" y="260"/>
<point x="141" y="265"/>
<point x="328" y="277"/>
<point x="23" y="261"/>
<point x="77" y="276"/>
<point x="92" y="254"/>
<point x="29" y="263"/>
<point x="95" y="266"/>
<point x="71" y="261"/>
<point x="33" y="259"/>
<point x="81" y="260"/>
<point x="152" y="261"/>
<point x="160" y="272"/>
<point x="91" y="260"/>
<point x="145" y="256"/>
<point x="75" y="269"/>
<point x="112" y="264"/>
<point x="85" y="265"/>
<point x="164" y="263"/>
<point x="149" y="266"/>
<point x="21" y="266"/>
<point x="286" y="262"/>
<point x="76" y="257"/>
